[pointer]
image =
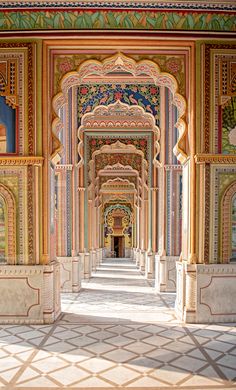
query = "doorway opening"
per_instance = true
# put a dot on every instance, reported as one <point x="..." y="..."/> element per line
<point x="119" y="246"/>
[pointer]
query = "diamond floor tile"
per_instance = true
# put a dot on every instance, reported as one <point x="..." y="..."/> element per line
<point x="189" y="363"/>
<point x="49" y="364"/>
<point x="118" y="333"/>
<point x="119" y="355"/>
<point x="69" y="375"/>
<point x="120" y="375"/>
<point x="96" y="365"/>
<point x="170" y="375"/>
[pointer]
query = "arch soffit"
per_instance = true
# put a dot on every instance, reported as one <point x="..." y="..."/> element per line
<point x="119" y="116"/>
<point x="116" y="148"/>
<point x="117" y="170"/>
<point x="122" y="185"/>
<point x="109" y="169"/>
<point x="226" y="205"/>
<point x="117" y="198"/>
<point x="118" y="206"/>
<point x="117" y="183"/>
<point x="119" y="62"/>
<point x="129" y="195"/>
<point x="109" y="184"/>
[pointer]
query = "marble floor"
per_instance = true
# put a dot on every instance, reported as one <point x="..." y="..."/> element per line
<point x="117" y="333"/>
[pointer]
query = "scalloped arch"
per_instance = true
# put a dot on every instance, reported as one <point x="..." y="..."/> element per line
<point x="119" y="62"/>
<point x="115" y="207"/>
<point x="119" y="116"/>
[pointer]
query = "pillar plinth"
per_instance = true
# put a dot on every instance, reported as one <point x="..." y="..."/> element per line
<point x="39" y="298"/>
<point x="87" y="265"/>
<point x="142" y="260"/>
<point x="70" y="273"/>
<point x="150" y="265"/>
<point x="165" y="271"/>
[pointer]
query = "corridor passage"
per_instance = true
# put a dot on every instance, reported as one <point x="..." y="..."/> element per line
<point x="118" y="333"/>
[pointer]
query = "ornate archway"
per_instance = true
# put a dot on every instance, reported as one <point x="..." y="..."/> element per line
<point x="95" y="70"/>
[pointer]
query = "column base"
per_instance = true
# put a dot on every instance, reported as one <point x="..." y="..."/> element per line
<point x="70" y="273"/>
<point x="137" y="252"/>
<point x="128" y="253"/>
<point x="142" y="262"/>
<point x="93" y="259"/>
<point x="98" y="256"/>
<point x="30" y="294"/>
<point x="212" y="298"/>
<point x="150" y="265"/>
<point x="87" y="265"/>
<point x="165" y="271"/>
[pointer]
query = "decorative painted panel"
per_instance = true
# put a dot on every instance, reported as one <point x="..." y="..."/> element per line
<point x="96" y="142"/>
<point x="229" y="126"/>
<point x="116" y="17"/>
<point x="222" y="177"/>
<point x="173" y="64"/>
<point x="233" y="242"/>
<point x="135" y="161"/>
<point x="16" y="90"/>
<point x="144" y="95"/>
<point x="173" y="211"/>
<point x="219" y="94"/>
<point x="2" y="230"/>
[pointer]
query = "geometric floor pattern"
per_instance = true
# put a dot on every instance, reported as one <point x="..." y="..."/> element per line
<point x="118" y="333"/>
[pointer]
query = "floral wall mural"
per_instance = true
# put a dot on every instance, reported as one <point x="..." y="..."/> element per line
<point x="229" y="127"/>
<point x="145" y="95"/>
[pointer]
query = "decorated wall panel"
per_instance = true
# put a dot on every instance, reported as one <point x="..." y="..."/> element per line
<point x="126" y="16"/>
<point x="217" y="139"/>
<point x="144" y="95"/>
<point x="222" y="177"/>
<point x="233" y="229"/>
<point x="219" y="101"/>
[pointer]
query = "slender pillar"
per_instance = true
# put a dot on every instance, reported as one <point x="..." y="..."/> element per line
<point x="81" y="192"/>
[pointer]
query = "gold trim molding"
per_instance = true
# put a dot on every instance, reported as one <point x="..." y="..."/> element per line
<point x="18" y="160"/>
<point x="215" y="159"/>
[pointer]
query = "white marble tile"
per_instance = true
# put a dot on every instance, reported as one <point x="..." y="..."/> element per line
<point x="69" y="375"/>
<point x="117" y="332"/>
<point x="120" y="375"/>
